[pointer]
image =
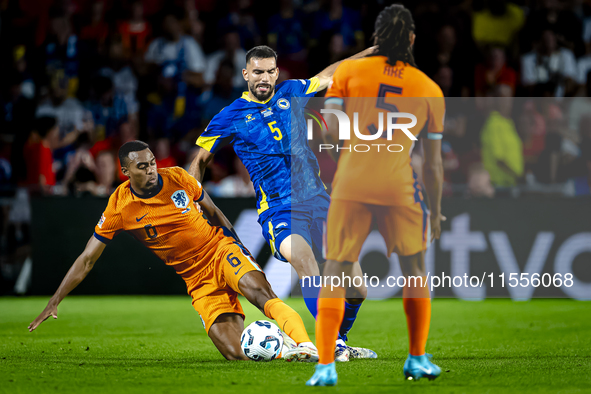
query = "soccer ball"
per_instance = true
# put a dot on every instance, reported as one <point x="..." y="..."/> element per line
<point x="261" y="341"/>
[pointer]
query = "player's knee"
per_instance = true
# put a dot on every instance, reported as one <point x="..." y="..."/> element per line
<point x="231" y="350"/>
<point x="309" y="268"/>
<point x="305" y="264"/>
<point x="299" y="254"/>
<point x="235" y="354"/>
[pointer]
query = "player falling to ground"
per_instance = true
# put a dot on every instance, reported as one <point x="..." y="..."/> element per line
<point x="382" y="186"/>
<point x="157" y="208"/>
<point x="267" y="129"/>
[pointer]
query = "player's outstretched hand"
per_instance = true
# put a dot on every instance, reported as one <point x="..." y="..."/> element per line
<point x="436" y="226"/>
<point x="48" y="311"/>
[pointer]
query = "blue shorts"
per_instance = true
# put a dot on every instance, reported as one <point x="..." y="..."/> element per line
<point x="307" y="219"/>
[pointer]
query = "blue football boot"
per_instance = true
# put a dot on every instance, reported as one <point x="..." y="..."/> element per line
<point x="325" y="375"/>
<point x="417" y="367"/>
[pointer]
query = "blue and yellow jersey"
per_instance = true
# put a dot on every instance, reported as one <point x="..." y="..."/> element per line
<point x="271" y="140"/>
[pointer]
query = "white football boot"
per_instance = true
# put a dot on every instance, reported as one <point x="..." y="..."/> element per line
<point x="304" y="352"/>
<point x="359" y="352"/>
<point x="341" y="352"/>
<point x="288" y="344"/>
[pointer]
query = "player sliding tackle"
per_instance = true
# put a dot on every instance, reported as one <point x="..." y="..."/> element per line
<point x="267" y="128"/>
<point x="382" y="186"/>
<point x="157" y="208"/>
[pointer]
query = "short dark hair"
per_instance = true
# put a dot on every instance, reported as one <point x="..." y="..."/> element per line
<point x="261" y="52"/>
<point x="392" y="30"/>
<point x="44" y="124"/>
<point x="127" y="148"/>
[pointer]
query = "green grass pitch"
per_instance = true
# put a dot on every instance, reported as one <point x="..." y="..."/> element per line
<point x="157" y="344"/>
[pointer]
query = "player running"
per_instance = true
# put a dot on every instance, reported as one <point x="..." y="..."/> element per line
<point x="267" y="129"/>
<point x="157" y="208"/>
<point x="382" y="186"/>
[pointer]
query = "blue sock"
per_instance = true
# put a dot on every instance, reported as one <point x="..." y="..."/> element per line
<point x="350" y="316"/>
<point x="310" y="291"/>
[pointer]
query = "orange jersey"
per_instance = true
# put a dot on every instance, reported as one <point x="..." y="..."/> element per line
<point x="383" y="175"/>
<point x="168" y="223"/>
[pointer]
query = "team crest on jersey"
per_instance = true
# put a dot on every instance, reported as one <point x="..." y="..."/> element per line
<point x="283" y="103"/>
<point x="180" y="199"/>
<point x="101" y="221"/>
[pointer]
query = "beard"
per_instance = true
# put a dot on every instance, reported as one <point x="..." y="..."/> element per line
<point x="260" y="96"/>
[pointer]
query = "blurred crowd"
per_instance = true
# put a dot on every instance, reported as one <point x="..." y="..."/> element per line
<point x="81" y="77"/>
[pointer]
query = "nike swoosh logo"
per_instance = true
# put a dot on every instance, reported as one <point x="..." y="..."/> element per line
<point x="236" y="273"/>
<point x="137" y="220"/>
<point x="427" y="371"/>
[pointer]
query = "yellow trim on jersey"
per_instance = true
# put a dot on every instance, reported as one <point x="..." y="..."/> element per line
<point x="272" y="240"/>
<point x="207" y="142"/>
<point x="264" y="204"/>
<point x="321" y="180"/>
<point x="314" y="83"/>
<point x="245" y="96"/>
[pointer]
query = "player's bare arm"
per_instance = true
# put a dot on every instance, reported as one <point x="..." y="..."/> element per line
<point x="76" y="274"/>
<point x="325" y="75"/>
<point x="214" y="214"/>
<point x="199" y="164"/>
<point x="433" y="178"/>
<point x="331" y="134"/>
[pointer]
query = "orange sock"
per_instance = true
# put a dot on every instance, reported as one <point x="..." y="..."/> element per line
<point x="287" y="319"/>
<point x="417" y="306"/>
<point x="331" y="309"/>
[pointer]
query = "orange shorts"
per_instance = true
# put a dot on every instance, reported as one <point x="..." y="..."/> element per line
<point x="406" y="229"/>
<point x="215" y="290"/>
